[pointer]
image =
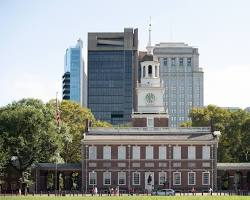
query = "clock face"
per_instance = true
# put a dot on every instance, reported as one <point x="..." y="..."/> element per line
<point x="150" y="98"/>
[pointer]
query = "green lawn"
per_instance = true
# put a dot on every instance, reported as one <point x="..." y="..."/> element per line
<point x="126" y="197"/>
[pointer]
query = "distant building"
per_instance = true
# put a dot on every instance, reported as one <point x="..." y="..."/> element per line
<point x="183" y="79"/>
<point x="232" y="109"/>
<point x="74" y="80"/>
<point x="112" y="63"/>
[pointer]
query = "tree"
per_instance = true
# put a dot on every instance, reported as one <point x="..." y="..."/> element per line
<point x="29" y="133"/>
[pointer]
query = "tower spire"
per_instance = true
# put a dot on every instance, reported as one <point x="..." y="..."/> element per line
<point x="149" y="46"/>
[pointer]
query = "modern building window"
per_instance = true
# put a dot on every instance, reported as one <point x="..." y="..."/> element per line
<point x="206" y="152"/>
<point x="107" y="152"/>
<point x="181" y="62"/>
<point x="191" y="178"/>
<point x="162" y="178"/>
<point x="149" y="153"/>
<point x="121" y="152"/>
<point x="121" y="178"/>
<point x="136" y="153"/>
<point x="165" y="61"/>
<point x="205" y="178"/>
<point x="189" y="61"/>
<point x="162" y="152"/>
<point x="150" y="122"/>
<point x="176" y="152"/>
<point x="177" y="178"/>
<point x="136" y="178"/>
<point x="106" y="178"/>
<point x="92" y="152"/>
<point x="191" y="153"/>
<point x="92" y="178"/>
<point x="172" y="62"/>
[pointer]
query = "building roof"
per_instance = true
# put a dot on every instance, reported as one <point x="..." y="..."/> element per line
<point x="148" y="57"/>
<point x="233" y="166"/>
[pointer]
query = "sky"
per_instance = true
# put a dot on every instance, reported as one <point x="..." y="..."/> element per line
<point x="34" y="35"/>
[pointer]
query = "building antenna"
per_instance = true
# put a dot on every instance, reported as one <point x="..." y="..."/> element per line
<point x="149" y="46"/>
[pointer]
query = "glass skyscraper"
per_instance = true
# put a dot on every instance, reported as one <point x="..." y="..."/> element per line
<point x="112" y="63"/>
<point x="183" y="79"/>
<point x="74" y="78"/>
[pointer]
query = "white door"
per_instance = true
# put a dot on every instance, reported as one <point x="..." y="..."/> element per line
<point x="149" y="181"/>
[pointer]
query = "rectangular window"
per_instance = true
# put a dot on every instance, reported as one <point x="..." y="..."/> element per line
<point x="172" y="61"/>
<point x="107" y="153"/>
<point x="181" y="61"/>
<point x="189" y="61"/>
<point x="92" y="152"/>
<point x="162" y="178"/>
<point x="177" y="153"/>
<point x="162" y="152"/>
<point x="121" y="178"/>
<point x="92" y="178"/>
<point x="205" y="178"/>
<point x="177" y="178"/>
<point x="149" y="153"/>
<point x="121" y="152"/>
<point x="206" y="152"/>
<point x="136" y="178"/>
<point x="136" y="153"/>
<point x="191" y="178"/>
<point x="165" y="61"/>
<point x="106" y="178"/>
<point x="191" y="153"/>
<point x="150" y="122"/>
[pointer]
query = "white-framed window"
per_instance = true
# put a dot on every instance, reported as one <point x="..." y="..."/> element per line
<point x="172" y="61"/>
<point x="206" y="152"/>
<point x="150" y="122"/>
<point x="205" y="178"/>
<point x="136" y="178"/>
<point x="121" y="178"/>
<point x="191" y="178"/>
<point x="106" y="178"/>
<point x="177" y="152"/>
<point x="92" y="178"/>
<point x="121" y="152"/>
<point x="165" y="61"/>
<point x="177" y="178"/>
<point x="162" y="178"/>
<point x="107" y="152"/>
<point x="136" y="153"/>
<point x="162" y="152"/>
<point x="181" y="61"/>
<point x="149" y="152"/>
<point x="92" y="152"/>
<point x="189" y="61"/>
<point x="191" y="152"/>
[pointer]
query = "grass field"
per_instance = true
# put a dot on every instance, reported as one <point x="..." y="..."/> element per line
<point x="126" y="197"/>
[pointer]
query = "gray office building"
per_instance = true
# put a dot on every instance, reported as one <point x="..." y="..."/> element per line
<point x="183" y="79"/>
<point x="112" y="64"/>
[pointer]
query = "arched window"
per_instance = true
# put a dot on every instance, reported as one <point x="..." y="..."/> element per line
<point x="156" y="71"/>
<point x="150" y="70"/>
<point x="144" y="71"/>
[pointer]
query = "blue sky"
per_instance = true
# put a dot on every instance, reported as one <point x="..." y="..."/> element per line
<point x="35" y="34"/>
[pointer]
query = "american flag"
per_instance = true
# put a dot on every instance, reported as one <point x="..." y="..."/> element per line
<point x="58" y="116"/>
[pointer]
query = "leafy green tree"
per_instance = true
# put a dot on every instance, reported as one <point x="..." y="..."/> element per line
<point x="29" y="133"/>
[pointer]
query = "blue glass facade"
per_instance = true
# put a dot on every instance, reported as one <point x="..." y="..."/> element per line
<point x="72" y="89"/>
<point x="110" y="86"/>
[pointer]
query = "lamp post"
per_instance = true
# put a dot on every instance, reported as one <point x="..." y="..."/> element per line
<point x="129" y="168"/>
<point x="86" y="169"/>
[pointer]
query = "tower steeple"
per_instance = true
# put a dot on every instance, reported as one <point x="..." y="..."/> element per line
<point x="149" y="46"/>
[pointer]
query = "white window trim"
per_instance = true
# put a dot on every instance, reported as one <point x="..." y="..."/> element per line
<point x="139" y="178"/>
<point x="104" y="178"/>
<point x="174" y="178"/>
<point x="95" y="154"/>
<point x="147" y="155"/>
<point x="174" y="153"/>
<point x="124" y="178"/>
<point x="165" y="174"/>
<point x="165" y="152"/>
<point x="95" y="176"/>
<point x="150" y="118"/>
<point x="122" y="157"/>
<point x="194" y="178"/>
<point x="133" y="155"/>
<point x="109" y="157"/>
<point x="208" y="178"/>
<point x="203" y="157"/>
<point x="190" y="158"/>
